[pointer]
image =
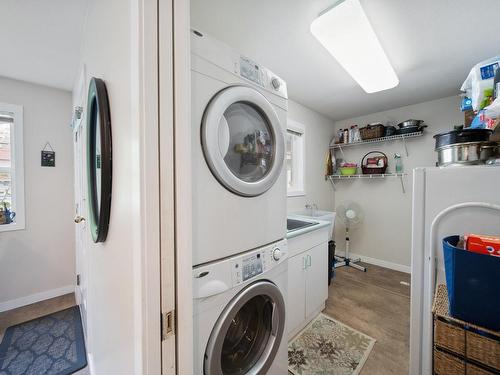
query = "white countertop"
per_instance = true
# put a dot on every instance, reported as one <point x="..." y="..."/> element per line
<point x="321" y="224"/>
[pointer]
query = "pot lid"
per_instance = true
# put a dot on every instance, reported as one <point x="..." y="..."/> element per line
<point x="462" y="136"/>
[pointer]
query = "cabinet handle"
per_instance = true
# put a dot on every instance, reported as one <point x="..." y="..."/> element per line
<point x="310" y="261"/>
<point x="304" y="262"/>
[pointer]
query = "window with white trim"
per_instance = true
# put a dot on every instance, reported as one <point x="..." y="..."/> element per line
<point x="11" y="168"/>
<point x="295" y="159"/>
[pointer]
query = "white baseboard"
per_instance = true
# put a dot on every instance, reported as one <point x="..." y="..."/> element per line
<point x="90" y="363"/>
<point x="382" y="263"/>
<point x="37" y="297"/>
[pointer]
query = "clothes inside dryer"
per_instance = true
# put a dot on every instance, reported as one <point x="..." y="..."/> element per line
<point x="250" y="145"/>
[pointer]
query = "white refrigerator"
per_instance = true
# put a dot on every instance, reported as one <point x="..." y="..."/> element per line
<point x="452" y="200"/>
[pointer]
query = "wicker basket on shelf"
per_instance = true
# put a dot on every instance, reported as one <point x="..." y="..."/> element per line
<point x="372" y="131"/>
<point x="377" y="155"/>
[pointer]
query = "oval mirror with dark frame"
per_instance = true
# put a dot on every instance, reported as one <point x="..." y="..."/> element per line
<point x="99" y="159"/>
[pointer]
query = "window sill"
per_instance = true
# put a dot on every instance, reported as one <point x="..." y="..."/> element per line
<point x="11" y="227"/>
<point x="297" y="193"/>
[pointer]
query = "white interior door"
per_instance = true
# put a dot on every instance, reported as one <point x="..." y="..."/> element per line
<point x="80" y="221"/>
<point x="81" y="236"/>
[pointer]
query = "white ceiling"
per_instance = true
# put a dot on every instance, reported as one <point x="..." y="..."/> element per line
<point x="40" y="40"/>
<point x="432" y="45"/>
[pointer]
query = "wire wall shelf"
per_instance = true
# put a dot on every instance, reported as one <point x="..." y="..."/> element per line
<point x="338" y="177"/>
<point x="403" y="137"/>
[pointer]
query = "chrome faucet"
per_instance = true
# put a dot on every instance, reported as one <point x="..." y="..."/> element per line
<point x="312" y="208"/>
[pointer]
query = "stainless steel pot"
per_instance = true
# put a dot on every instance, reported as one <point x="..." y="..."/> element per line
<point x="469" y="153"/>
<point x="410" y="123"/>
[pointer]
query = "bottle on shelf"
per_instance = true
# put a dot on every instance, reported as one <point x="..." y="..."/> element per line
<point x="398" y="163"/>
<point x="346" y="136"/>
<point x="356" y="134"/>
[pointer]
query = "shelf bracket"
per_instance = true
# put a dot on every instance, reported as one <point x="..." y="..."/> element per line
<point x="402" y="184"/>
<point x="333" y="184"/>
<point x="405" y="146"/>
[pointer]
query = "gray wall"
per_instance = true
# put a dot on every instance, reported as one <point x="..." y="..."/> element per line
<point x="39" y="261"/>
<point x="385" y="234"/>
<point x="318" y="132"/>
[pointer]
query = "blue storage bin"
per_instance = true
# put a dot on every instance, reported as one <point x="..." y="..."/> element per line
<point x="473" y="282"/>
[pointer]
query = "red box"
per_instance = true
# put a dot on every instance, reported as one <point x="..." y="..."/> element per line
<point x="482" y="244"/>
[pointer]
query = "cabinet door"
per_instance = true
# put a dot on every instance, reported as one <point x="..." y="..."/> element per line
<point x="296" y="308"/>
<point x="317" y="278"/>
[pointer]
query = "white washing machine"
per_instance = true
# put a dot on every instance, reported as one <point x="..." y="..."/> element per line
<point x="239" y="111"/>
<point x="239" y="314"/>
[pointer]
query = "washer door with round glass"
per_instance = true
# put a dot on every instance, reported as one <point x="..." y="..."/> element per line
<point x="243" y="141"/>
<point x="248" y="333"/>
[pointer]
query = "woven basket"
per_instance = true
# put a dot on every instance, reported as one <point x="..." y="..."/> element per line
<point x="379" y="170"/>
<point x="372" y="131"/>
<point x="446" y="364"/>
<point x="463" y="341"/>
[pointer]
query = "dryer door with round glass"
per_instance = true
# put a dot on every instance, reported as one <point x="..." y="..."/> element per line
<point x="248" y="333"/>
<point x="243" y="141"/>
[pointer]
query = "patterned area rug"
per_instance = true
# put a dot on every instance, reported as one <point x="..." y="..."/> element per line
<point x="52" y="345"/>
<point x="327" y="346"/>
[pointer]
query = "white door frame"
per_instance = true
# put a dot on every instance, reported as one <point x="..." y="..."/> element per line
<point x="146" y="87"/>
<point x="166" y="167"/>
<point x="164" y="113"/>
<point x="183" y="183"/>
<point x="175" y="182"/>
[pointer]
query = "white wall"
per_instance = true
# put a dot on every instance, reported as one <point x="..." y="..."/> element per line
<point x="113" y="279"/>
<point x="386" y="232"/>
<point x="39" y="261"/>
<point x="318" y="132"/>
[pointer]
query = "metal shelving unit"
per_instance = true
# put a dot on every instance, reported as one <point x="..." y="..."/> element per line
<point x="336" y="177"/>
<point x="401" y="137"/>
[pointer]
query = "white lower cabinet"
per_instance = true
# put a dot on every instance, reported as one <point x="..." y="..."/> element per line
<point x="307" y="286"/>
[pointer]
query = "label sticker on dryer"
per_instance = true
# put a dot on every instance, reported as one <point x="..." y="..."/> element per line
<point x="250" y="70"/>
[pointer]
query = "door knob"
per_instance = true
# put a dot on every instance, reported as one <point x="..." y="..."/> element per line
<point x="79" y="219"/>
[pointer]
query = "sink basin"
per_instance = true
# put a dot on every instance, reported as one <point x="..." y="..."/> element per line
<point x="293" y="224"/>
<point x="319" y="215"/>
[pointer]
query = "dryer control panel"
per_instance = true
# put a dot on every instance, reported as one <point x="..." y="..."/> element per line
<point x="258" y="262"/>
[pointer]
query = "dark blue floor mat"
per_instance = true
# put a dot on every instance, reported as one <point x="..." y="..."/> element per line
<point x="52" y="345"/>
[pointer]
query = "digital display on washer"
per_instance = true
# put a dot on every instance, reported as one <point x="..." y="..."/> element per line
<point x="250" y="70"/>
<point x="252" y="266"/>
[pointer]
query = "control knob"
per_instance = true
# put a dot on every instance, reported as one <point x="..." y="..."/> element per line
<point x="276" y="254"/>
<point x="276" y="83"/>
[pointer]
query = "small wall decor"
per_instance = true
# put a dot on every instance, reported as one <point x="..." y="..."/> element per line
<point x="99" y="159"/>
<point x="48" y="156"/>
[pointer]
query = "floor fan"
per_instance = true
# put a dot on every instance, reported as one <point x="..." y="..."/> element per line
<point x="351" y="215"/>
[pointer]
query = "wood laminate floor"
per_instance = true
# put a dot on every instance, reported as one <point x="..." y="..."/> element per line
<point x="374" y="303"/>
<point x="377" y="304"/>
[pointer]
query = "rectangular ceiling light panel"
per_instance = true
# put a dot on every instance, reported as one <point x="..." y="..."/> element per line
<point x="347" y="34"/>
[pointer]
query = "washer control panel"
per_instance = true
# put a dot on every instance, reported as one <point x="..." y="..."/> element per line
<point x="251" y="266"/>
<point x="257" y="262"/>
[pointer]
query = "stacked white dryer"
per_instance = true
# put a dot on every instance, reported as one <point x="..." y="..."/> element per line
<point x="239" y="111"/>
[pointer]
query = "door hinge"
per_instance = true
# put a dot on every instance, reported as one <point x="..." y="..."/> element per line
<point x="78" y="279"/>
<point x="167" y="324"/>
